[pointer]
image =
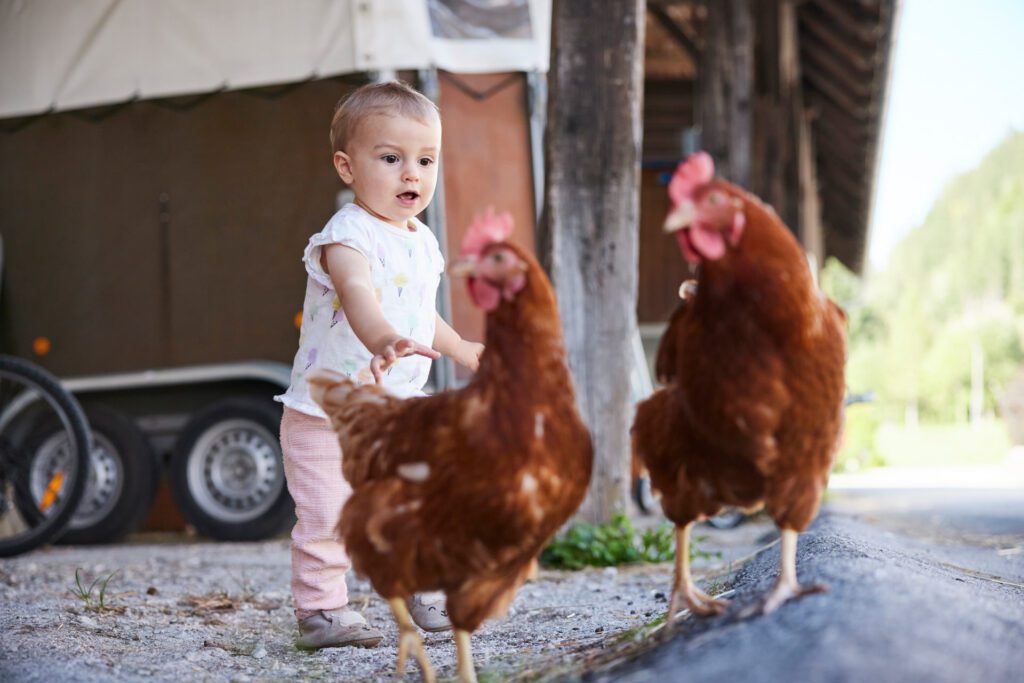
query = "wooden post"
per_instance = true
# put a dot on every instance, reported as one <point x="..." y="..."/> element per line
<point x="588" y="233"/>
<point x="725" y="88"/>
<point x="784" y="168"/>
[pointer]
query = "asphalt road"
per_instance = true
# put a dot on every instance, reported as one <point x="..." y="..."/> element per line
<point x="926" y="585"/>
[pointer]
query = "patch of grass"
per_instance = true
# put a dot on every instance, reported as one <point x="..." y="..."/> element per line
<point x="617" y="542"/>
<point x="986" y="443"/>
<point x="97" y="603"/>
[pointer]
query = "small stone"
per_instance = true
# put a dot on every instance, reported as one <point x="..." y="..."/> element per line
<point x="152" y="590"/>
<point x="88" y="622"/>
<point x="599" y="629"/>
<point x="260" y="652"/>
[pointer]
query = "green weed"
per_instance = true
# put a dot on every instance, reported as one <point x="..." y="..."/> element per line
<point x="99" y="602"/>
<point x="614" y="543"/>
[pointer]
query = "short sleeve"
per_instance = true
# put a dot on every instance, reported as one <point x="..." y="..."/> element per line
<point x="433" y="248"/>
<point x="346" y="228"/>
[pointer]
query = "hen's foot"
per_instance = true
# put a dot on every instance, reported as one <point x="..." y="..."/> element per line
<point x="787" y="587"/>
<point x="464" y="657"/>
<point x="409" y="641"/>
<point x="785" y="591"/>
<point x="697" y="601"/>
<point x="684" y="591"/>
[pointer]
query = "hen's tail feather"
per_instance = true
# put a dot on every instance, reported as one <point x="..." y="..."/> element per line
<point x="333" y="390"/>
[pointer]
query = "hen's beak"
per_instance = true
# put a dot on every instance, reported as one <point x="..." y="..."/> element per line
<point x="680" y="217"/>
<point x="463" y="267"/>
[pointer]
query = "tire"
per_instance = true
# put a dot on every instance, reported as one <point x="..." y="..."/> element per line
<point x="17" y="435"/>
<point x="643" y="495"/>
<point x="227" y="475"/>
<point x="727" y="519"/>
<point x="123" y="475"/>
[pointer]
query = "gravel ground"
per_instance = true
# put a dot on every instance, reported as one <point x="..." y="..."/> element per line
<point x="180" y="610"/>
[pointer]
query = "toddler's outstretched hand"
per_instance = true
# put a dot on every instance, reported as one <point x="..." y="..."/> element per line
<point x="399" y="347"/>
<point x="469" y="354"/>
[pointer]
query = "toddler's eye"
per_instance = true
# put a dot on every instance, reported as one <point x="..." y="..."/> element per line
<point x="426" y="161"/>
<point x="390" y="158"/>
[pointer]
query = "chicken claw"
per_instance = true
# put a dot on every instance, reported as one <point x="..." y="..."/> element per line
<point x="409" y="639"/>
<point x="684" y="591"/>
<point x="787" y="587"/>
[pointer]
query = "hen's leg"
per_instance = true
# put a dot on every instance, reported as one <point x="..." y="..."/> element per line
<point x="787" y="587"/>
<point x="409" y="638"/>
<point x="683" y="590"/>
<point x="464" y="657"/>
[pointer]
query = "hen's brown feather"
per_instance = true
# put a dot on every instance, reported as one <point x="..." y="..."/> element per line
<point x="754" y="410"/>
<point x="462" y="490"/>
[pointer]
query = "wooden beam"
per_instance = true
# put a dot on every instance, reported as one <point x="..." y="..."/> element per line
<point x="587" y="237"/>
<point x="827" y="87"/>
<point x="829" y="37"/>
<point x="725" y="88"/>
<point x="861" y="84"/>
<point x="678" y="34"/>
<point x="840" y="14"/>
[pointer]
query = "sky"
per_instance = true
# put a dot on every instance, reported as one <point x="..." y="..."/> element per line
<point x="957" y="91"/>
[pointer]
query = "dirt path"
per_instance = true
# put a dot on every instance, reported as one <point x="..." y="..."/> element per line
<point x="180" y="610"/>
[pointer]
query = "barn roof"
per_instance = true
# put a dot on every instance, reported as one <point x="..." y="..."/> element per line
<point x="844" y="58"/>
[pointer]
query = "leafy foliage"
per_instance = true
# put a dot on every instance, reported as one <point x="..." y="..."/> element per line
<point x="614" y="543"/>
<point x="952" y="296"/>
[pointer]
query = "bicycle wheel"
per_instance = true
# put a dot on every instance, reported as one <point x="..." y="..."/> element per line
<point x="36" y="502"/>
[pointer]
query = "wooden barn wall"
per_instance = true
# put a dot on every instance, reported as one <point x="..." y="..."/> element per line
<point x="164" y="233"/>
<point x="668" y="112"/>
<point x="486" y="162"/>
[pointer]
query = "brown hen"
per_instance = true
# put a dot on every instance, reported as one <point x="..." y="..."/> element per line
<point x="460" y="491"/>
<point x="755" y="357"/>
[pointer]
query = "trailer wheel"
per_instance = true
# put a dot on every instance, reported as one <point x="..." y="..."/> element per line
<point x="226" y="474"/>
<point x="122" y="477"/>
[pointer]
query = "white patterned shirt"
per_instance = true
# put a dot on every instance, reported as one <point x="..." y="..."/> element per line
<point x="405" y="268"/>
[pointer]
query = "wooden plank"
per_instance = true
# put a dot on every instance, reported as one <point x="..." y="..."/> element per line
<point x="828" y="36"/>
<point x="672" y="28"/>
<point x="827" y="87"/>
<point x="725" y="87"/>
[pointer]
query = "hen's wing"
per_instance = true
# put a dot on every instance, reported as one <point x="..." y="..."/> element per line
<point x="359" y="413"/>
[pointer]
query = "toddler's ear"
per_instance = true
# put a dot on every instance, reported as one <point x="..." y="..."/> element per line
<point x="343" y="165"/>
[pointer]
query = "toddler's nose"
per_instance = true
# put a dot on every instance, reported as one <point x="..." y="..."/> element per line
<point x="411" y="173"/>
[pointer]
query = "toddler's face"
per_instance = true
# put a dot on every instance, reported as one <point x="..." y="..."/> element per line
<point x="391" y="164"/>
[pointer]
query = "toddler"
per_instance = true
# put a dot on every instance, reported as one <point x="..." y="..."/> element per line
<point x="369" y="312"/>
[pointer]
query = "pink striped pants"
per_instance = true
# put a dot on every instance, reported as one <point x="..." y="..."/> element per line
<point x="312" y="467"/>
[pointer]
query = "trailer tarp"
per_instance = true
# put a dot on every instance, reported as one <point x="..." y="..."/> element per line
<point x="57" y="55"/>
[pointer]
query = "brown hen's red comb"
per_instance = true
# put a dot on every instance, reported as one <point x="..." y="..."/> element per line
<point x="698" y="169"/>
<point x="487" y="228"/>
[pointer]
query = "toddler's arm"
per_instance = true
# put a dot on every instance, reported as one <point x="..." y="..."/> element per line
<point x="350" y="275"/>
<point x="448" y="342"/>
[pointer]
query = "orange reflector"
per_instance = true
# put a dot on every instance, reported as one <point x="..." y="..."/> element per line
<point x="52" y="489"/>
<point x="298" y="320"/>
<point x="40" y="346"/>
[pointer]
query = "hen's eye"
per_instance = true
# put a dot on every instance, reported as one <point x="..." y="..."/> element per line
<point x="498" y="257"/>
<point x="390" y="158"/>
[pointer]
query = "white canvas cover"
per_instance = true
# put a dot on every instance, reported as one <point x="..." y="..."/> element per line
<point x="59" y="54"/>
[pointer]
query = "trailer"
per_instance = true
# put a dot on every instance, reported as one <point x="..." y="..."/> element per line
<point x="161" y="168"/>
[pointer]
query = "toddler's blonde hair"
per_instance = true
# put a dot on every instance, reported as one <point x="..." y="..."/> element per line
<point x="393" y="98"/>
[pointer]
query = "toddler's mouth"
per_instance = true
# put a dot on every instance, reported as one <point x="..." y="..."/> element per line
<point x="409" y="197"/>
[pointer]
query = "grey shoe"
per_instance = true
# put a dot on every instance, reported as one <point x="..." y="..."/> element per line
<point x="336" y="628"/>
<point x="429" y="612"/>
